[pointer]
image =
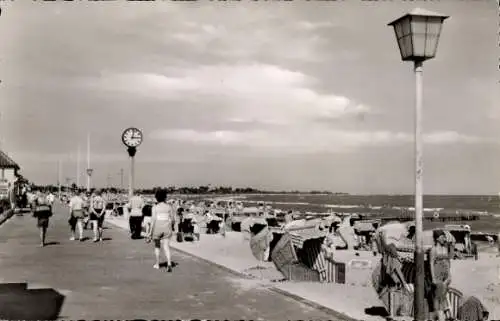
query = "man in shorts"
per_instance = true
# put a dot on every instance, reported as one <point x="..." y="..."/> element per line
<point x="97" y="209"/>
<point x="135" y="206"/>
<point x="76" y="215"/>
<point x="42" y="211"/>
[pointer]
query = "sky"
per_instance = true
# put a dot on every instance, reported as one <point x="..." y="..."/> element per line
<point x="301" y="95"/>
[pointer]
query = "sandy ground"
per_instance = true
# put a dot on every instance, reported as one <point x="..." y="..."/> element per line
<point x="480" y="278"/>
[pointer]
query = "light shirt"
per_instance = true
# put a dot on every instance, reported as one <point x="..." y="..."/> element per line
<point x="41" y="199"/>
<point x="76" y="203"/>
<point x="97" y="202"/>
<point x="51" y="198"/>
<point x="136" y="204"/>
<point x="31" y="197"/>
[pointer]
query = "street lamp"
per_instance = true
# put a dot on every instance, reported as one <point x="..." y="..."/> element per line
<point x="417" y="34"/>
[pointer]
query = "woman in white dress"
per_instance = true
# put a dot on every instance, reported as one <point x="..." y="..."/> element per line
<point x="162" y="228"/>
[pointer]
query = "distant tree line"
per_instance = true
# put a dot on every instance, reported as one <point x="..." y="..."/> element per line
<point x="204" y="189"/>
<point x="192" y="190"/>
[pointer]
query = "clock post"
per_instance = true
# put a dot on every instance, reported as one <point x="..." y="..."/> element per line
<point x="132" y="138"/>
<point x="131" y="152"/>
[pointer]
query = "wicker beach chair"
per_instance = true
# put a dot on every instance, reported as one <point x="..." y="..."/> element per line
<point x="472" y="310"/>
<point x="298" y="256"/>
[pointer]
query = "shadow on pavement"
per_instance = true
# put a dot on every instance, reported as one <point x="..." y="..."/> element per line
<point x="377" y="311"/>
<point x="164" y="264"/>
<point x="52" y="243"/>
<point x="17" y="302"/>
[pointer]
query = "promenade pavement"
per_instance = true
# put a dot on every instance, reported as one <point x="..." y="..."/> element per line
<point x="115" y="279"/>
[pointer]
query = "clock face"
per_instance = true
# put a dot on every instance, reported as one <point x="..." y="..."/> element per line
<point x="132" y="137"/>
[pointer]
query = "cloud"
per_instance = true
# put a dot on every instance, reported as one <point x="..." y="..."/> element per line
<point x="253" y="92"/>
<point x="311" y="26"/>
<point x="451" y="137"/>
<point x="67" y="157"/>
<point x="308" y="140"/>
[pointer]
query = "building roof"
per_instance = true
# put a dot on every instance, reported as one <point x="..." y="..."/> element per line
<point x="7" y="162"/>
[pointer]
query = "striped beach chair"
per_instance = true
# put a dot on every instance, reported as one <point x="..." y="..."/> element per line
<point x="286" y="261"/>
<point x="304" y="246"/>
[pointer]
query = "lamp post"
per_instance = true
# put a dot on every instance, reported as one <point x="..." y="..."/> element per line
<point x="89" y="175"/>
<point x="417" y="34"/>
<point x="89" y="170"/>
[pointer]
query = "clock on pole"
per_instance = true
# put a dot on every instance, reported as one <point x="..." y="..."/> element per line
<point x="131" y="138"/>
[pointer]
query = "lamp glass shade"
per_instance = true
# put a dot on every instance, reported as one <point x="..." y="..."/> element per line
<point x="425" y="35"/>
<point x="418" y="35"/>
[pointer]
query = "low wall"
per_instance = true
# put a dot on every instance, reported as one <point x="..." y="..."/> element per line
<point x="6" y="215"/>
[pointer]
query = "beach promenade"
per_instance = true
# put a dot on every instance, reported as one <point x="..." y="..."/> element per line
<point x="115" y="279"/>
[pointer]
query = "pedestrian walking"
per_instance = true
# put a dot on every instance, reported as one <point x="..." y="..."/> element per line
<point x="110" y="206"/>
<point x="162" y="228"/>
<point x="42" y="211"/>
<point x="76" y="216"/>
<point x="135" y="206"/>
<point x="31" y="200"/>
<point x="51" y="199"/>
<point x="146" y="216"/>
<point x="86" y="209"/>
<point x="97" y="209"/>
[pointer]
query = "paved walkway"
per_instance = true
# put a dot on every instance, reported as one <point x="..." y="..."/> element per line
<point x="115" y="279"/>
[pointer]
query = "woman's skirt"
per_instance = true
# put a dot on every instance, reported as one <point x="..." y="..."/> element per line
<point x="163" y="229"/>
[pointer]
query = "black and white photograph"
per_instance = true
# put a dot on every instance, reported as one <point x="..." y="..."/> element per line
<point x="250" y="160"/>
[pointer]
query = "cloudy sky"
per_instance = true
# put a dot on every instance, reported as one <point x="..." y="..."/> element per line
<point x="295" y="95"/>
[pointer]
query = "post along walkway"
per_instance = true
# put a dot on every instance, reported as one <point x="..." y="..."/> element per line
<point x="116" y="280"/>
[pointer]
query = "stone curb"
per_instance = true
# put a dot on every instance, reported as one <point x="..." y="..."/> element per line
<point x="336" y="314"/>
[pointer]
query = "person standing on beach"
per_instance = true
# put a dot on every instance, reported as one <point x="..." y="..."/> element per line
<point x="162" y="228"/>
<point x="42" y="211"/>
<point x="135" y="206"/>
<point x="440" y="276"/>
<point x="97" y="207"/>
<point x="76" y="215"/>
